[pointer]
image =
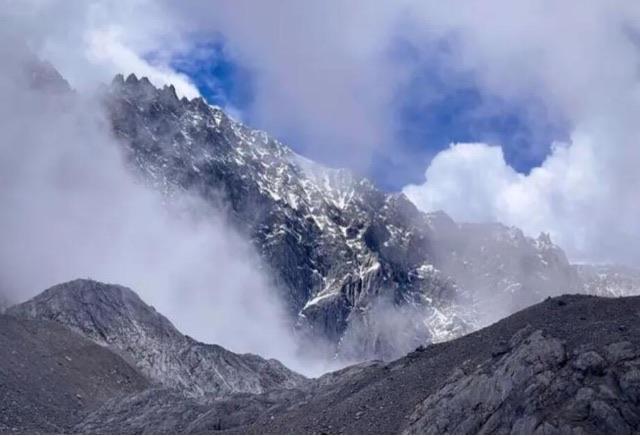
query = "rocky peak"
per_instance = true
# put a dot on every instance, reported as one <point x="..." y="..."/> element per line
<point x="104" y="313"/>
<point x="115" y="317"/>
<point x="336" y="245"/>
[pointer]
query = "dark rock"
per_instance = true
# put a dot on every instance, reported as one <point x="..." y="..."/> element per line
<point x="590" y="362"/>
<point x="50" y="377"/>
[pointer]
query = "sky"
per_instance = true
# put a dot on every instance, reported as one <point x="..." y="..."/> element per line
<point x="519" y="112"/>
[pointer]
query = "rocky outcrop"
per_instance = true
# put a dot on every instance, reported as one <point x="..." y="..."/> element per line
<point x="158" y="411"/>
<point x="537" y="387"/>
<point x="499" y="270"/>
<point x="114" y="316"/>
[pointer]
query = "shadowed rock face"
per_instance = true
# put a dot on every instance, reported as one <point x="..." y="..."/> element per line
<point x="51" y="377"/>
<point x="114" y="316"/>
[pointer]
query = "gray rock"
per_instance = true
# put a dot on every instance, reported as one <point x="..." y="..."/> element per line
<point x="609" y="280"/>
<point x="589" y="361"/>
<point x="114" y="316"/>
<point x="482" y="401"/>
<point x="620" y="351"/>
<point x="50" y="377"/>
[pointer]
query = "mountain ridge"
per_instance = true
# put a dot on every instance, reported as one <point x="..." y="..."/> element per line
<point x="338" y="248"/>
<point x="115" y="317"/>
<point x="569" y="364"/>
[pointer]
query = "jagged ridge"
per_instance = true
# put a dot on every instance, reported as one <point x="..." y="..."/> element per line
<point x="339" y="248"/>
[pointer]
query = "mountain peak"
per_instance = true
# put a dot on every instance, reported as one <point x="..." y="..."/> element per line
<point x="338" y="246"/>
<point x="114" y="316"/>
<point x="94" y="309"/>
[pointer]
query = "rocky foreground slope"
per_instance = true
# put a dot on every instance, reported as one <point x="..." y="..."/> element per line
<point x="570" y="364"/>
<point x="51" y="377"/>
<point x="115" y="317"/>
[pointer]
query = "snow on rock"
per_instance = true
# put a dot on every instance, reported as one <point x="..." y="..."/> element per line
<point x="335" y="243"/>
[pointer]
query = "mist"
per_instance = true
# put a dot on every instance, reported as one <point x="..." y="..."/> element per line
<point x="72" y="209"/>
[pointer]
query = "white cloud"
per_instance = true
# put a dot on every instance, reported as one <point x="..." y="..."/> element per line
<point x="586" y="203"/>
<point x="583" y="62"/>
<point x="90" y="42"/>
<point x="467" y="181"/>
<point x="104" y="48"/>
<point x="323" y="74"/>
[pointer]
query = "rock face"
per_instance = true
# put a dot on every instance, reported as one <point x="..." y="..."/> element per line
<point x="51" y="377"/>
<point x="354" y="263"/>
<point x="498" y="269"/>
<point x="4" y="303"/>
<point x="158" y="411"/>
<point x="114" y="316"/>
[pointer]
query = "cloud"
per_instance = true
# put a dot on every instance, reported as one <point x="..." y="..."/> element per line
<point x="587" y="204"/>
<point x="89" y="42"/>
<point x="325" y="76"/>
<point x="104" y="48"/>
<point x="319" y="70"/>
<point x="583" y="63"/>
<point x="467" y="180"/>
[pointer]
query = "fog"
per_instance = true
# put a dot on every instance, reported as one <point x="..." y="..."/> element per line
<point x="71" y="209"/>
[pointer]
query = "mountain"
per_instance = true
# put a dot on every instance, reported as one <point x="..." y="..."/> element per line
<point x="51" y="377"/>
<point x="356" y="266"/>
<point x="568" y="365"/>
<point x="115" y="317"/>
<point x="499" y="270"/>
<point x="609" y="280"/>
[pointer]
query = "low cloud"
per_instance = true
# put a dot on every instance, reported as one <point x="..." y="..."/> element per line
<point x="584" y="196"/>
<point x="582" y="62"/>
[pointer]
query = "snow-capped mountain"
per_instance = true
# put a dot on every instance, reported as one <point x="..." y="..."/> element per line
<point x="115" y="317"/>
<point x="356" y="265"/>
<point x="609" y="280"/>
<point x="364" y="270"/>
<point x="499" y="269"/>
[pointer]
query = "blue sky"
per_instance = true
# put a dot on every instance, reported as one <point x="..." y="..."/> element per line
<point x="436" y="106"/>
